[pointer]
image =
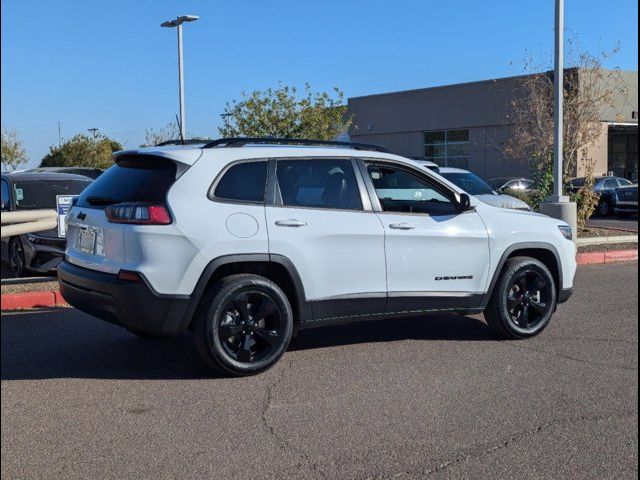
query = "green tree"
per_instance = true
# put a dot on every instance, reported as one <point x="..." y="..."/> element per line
<point x="282" y="112"/>
<point x="13" y="153"/>
<point x="82" y="151"/>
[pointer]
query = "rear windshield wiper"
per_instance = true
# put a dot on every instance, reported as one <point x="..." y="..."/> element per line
<point x="94" y="200"/>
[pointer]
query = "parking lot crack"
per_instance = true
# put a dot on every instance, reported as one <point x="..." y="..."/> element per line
<point x="270" y="427"/>
<point x="485" y="449"/>
<point x="574" y="359"/>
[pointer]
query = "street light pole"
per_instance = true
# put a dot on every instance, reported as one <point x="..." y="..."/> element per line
<point x="558" y="105"/>
<point x="558" y="205"/>
<point x="183" y="128"/>
<point x="178" y="23"/>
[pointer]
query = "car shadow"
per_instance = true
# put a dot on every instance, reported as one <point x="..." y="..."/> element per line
<point x="64" y="343"/>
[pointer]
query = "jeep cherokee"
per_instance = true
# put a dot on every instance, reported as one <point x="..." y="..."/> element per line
<point x="246" y="241"/>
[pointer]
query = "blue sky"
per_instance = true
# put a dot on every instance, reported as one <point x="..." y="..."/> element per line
<point x="109" y="64"/>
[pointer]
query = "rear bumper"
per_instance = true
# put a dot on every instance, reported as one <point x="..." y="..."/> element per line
<point x="133" y="305"/>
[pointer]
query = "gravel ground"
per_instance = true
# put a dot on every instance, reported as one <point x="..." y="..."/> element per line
<point x="607" y="247"/>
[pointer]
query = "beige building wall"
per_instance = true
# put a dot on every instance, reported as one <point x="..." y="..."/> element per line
<point x="597" y="152"/>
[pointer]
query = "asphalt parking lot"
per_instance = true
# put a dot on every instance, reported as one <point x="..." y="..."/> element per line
<point x="615" y="222"/>
<point x="437" y="397"/>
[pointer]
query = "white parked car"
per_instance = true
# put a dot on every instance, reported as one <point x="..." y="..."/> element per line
<point x="245" y="241"/>
<point x="474" y="185"/>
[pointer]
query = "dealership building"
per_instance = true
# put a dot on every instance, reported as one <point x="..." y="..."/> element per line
<point x="466" y="126"/>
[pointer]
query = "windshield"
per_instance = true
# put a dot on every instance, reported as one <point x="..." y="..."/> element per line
<point x="33" y="194"/>
<point x="470" y="183"/>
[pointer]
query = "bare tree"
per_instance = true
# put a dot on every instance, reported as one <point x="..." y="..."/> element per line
<point x="589" y="89"/>
<point x="154" y="137"/>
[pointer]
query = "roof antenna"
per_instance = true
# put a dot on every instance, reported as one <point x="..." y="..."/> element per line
<point x="180" y="129"/>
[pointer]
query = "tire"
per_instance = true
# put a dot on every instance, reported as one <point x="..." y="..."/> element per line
<point x="16" y="258"/>
<point x="243" y="326"/>
<point x="523" y="300"/>
<point x="604" y="209"/>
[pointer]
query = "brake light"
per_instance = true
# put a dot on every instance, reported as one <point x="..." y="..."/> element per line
<point x="138" y="214"/>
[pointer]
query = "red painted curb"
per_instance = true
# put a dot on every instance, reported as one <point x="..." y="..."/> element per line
<point x="20" y="301"/>
<point x="592" y="258"/>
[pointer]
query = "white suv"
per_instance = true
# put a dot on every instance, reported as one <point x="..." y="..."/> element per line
<point x="245" y="241"/>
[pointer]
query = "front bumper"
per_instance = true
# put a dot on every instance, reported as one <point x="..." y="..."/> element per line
<point x="133" y="305"/>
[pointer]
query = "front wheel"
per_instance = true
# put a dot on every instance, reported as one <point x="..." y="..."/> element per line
<point x="244" y="325"/>
<point x="524" y="299"/>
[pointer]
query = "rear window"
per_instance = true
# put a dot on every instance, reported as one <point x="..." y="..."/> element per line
<point x="136" y="179"/>
<point x="34" y="194"/>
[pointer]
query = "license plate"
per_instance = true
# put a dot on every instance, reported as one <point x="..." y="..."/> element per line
<point x="87" y="241"/>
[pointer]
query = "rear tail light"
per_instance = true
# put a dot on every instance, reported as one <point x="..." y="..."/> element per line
<point x="138" y="214"/>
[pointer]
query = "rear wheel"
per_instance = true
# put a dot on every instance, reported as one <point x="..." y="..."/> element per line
<point x="604" y="209"/>
<point x="244" y="325"/>
<point x="523" y="300"/>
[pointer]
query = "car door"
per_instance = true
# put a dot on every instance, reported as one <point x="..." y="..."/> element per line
<point x="437" y="257"/>
<point x="321" y="220"/>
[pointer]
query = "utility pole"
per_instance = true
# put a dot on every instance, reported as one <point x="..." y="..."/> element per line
<point x="59" y="134"/>
<point x="94" y="131"/>
<point x="558" y="205"/>
<point x="178" y="23"/>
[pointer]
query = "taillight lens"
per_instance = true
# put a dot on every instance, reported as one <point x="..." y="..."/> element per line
<point x="138" y="214"/>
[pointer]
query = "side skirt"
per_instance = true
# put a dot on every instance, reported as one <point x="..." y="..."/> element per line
<point x="347" y="310"/>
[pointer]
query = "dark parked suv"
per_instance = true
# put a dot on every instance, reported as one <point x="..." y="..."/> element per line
<point x="41" y="251"/>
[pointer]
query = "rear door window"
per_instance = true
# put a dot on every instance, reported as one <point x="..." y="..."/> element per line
<point x="135" y="179"/>
<point x="243" y="182"/>
<point x="318" y="184"/>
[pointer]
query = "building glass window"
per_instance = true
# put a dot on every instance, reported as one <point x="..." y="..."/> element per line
<point x="447" y="148"/>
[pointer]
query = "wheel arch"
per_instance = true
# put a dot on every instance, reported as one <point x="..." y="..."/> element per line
<point x="276" y="268"/>
<point x="543" y="252"/>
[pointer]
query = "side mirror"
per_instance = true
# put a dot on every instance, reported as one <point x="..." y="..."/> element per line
<point x="464" y="204"/>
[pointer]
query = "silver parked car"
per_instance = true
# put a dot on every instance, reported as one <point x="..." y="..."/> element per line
<point x="474" y="185"/>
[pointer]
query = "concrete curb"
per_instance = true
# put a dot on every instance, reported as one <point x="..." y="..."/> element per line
<point x="613" y="256"/>
<point x="21" y="301"/>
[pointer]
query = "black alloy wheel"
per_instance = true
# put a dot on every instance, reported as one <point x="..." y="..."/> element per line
<point x="523" y="300"/>
<point x="528" y="302"/>
<point x="244" y="325"/>
<point x="250" y="327"/>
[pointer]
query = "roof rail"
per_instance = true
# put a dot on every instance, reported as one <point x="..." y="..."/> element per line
<point x="242" y="141"/>
<point x="190" y="141"/>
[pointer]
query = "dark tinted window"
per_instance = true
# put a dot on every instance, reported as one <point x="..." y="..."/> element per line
<point x="244" y="182"/>
<point x="137" y="179"/>
<point x="318" y="184"/>
<point x="5" y="195"/>
<point x="33" y="194"/>
<point x="401" y="191"/>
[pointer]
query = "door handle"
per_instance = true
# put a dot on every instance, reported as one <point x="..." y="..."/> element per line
<point x="291" y="222"/>
<point x="401" y="226"/>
